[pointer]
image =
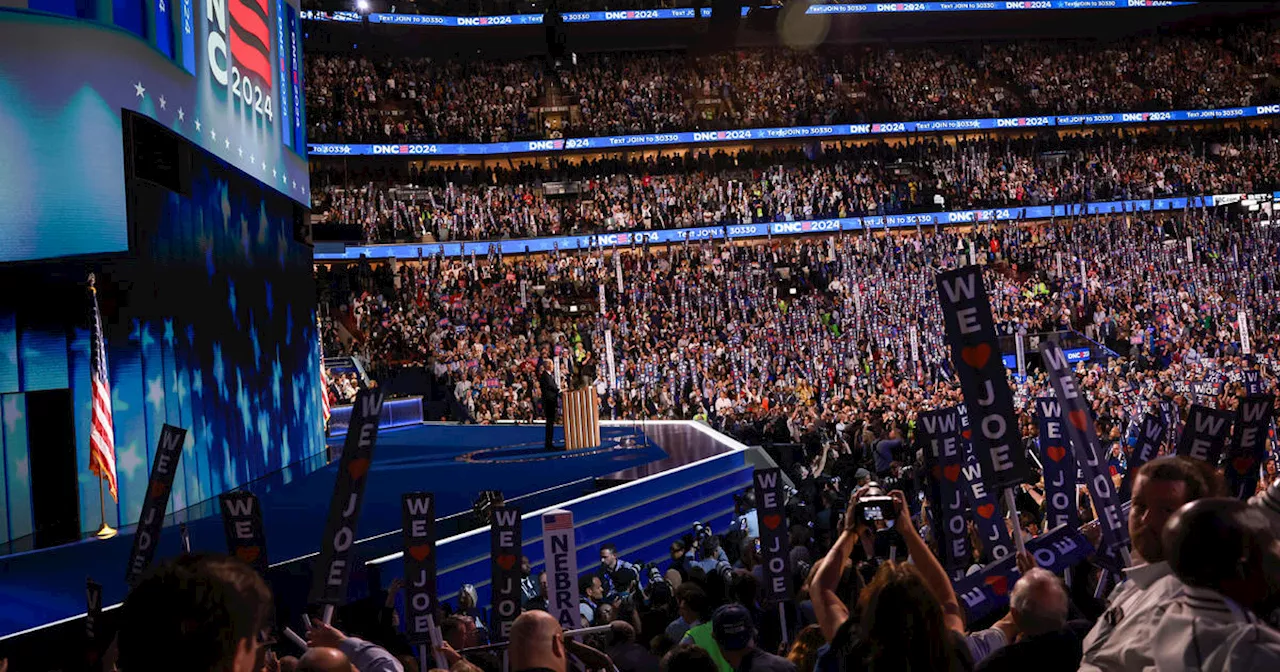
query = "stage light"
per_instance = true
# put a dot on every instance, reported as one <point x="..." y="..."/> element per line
<point x="362" y="6"/>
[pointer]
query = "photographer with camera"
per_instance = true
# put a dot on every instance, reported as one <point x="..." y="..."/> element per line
<point x="909" y="617"/>
<point x="618" y="576"/>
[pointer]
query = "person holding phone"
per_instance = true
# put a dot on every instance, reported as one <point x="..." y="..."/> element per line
<point x="919" y="590"/>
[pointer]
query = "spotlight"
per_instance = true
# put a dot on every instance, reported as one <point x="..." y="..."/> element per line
<point x="362" y="6"/>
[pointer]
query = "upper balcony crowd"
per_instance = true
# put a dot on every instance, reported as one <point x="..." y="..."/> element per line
<point x="707" y="188"/>
<point x="393" y="99"/>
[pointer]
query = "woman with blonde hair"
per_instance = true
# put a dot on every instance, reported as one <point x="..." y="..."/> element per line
<point x="804" y="651"/>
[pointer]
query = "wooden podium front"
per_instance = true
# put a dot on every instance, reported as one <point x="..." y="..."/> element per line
<point x="581" y="419"/>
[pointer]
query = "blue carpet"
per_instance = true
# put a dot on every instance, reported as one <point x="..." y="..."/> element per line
<point x="37" y="588"/>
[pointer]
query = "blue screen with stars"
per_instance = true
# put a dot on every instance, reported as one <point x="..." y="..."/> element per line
<point x="191" y="66"/>
<point x="210" y="325"/>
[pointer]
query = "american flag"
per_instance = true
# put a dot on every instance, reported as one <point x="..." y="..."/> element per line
<point x="102" y="446"/>
<point x="557" y="521"/>
<point x="324" y="384"/>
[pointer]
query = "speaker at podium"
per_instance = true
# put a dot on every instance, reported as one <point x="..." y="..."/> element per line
<point x="581" y="418"/>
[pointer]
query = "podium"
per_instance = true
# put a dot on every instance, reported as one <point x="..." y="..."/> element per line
<point x="581" y="419"/>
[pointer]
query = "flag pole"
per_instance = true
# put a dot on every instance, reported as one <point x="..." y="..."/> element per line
<point x="105" y="531"/>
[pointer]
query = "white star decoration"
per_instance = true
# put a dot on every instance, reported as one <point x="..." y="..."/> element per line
<point x="295" y="184"/>
<point x="273" y="173"/>
<point x="197" y="125"/>
<point x="182" y="116"/>
<point x="264" y="165"/>
<point x="228" y="143"/>
<point x="127" y="460"/>
<point x="213" y="133"/>
<point x="155" y="393"/>
<point x="240" y="151"/>
<point x="252" y="159"/>
<point x="162" y="101"/>
<point x="139" y="90"/>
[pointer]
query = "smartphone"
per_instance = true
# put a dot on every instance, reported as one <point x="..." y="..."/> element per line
<point x="875" y="509"/>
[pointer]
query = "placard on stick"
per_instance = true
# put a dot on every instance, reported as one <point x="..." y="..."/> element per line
<point x="775" y="551"/>
<point x="506" y="540"/>
<point x="332" y="568"/>
<point x="155" y="502"/>
<point x="1059" y="466"/>
<point x="560" y="551"/>
<point x="1205" y="435"/>
<point x="418" y="510"/>
<point x="242" y="523"/>
<point x="975" y="353"/>
<point x="1084" y="440"/>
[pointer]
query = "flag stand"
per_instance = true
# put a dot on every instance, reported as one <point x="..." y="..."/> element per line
<point x="105" y="531"/>
<point x="101" y="387"/>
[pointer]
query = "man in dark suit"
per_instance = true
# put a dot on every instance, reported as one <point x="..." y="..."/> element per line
<point x="550" y="399"/>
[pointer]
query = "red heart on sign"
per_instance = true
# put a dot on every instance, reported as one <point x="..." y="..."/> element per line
<point x="358" y="467"/>
<point x="772" y="521"/>
<point x="1242" y="463"/>
<point x="986" y="510"/>
<point x="952" y="472"/>
<point x="1056" y="453"/>
<point x="420" y="552"/>
<point x="999" y="584"/>
<point x="1078" y="418"/>
<point x="248" y="553"/>
<point x="157" y="489"/>
<point x="506" y="561"/>
<point x="976" y="356"/>
<point x="967" y="434"/>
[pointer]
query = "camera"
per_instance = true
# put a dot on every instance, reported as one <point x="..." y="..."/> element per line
<point x="725" y="570"/>
<point x="876" y="509"/>
<point x="874" y="506"/>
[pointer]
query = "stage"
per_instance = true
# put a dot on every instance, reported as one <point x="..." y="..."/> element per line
<point x="455" y="462"/>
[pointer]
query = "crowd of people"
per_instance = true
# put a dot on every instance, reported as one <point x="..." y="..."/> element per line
<point x="713" y="187"/>
<point x="842" y="367"/>
<point x="829" y="337"/>
<point x="1201" y="596"/>
<point x="397" y="100"/>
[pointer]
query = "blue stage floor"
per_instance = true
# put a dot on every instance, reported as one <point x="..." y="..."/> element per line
<point x="454" y="462"/>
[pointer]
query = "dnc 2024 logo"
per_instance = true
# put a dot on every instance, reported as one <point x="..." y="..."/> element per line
<point x="239" y="51"/>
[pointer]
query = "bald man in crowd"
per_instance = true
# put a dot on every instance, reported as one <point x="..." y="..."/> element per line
<point x="1038" y="606"/>
<point x="324" y="659"/>
<point x="537" y="644"/>
<point x="364" y="656"/>
<point x="1227" y="555"/>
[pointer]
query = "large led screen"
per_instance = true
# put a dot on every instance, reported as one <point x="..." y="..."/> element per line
<point x="222" y="73"/>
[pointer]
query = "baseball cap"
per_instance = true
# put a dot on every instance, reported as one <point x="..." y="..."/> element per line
<point x="731" y="627"/>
